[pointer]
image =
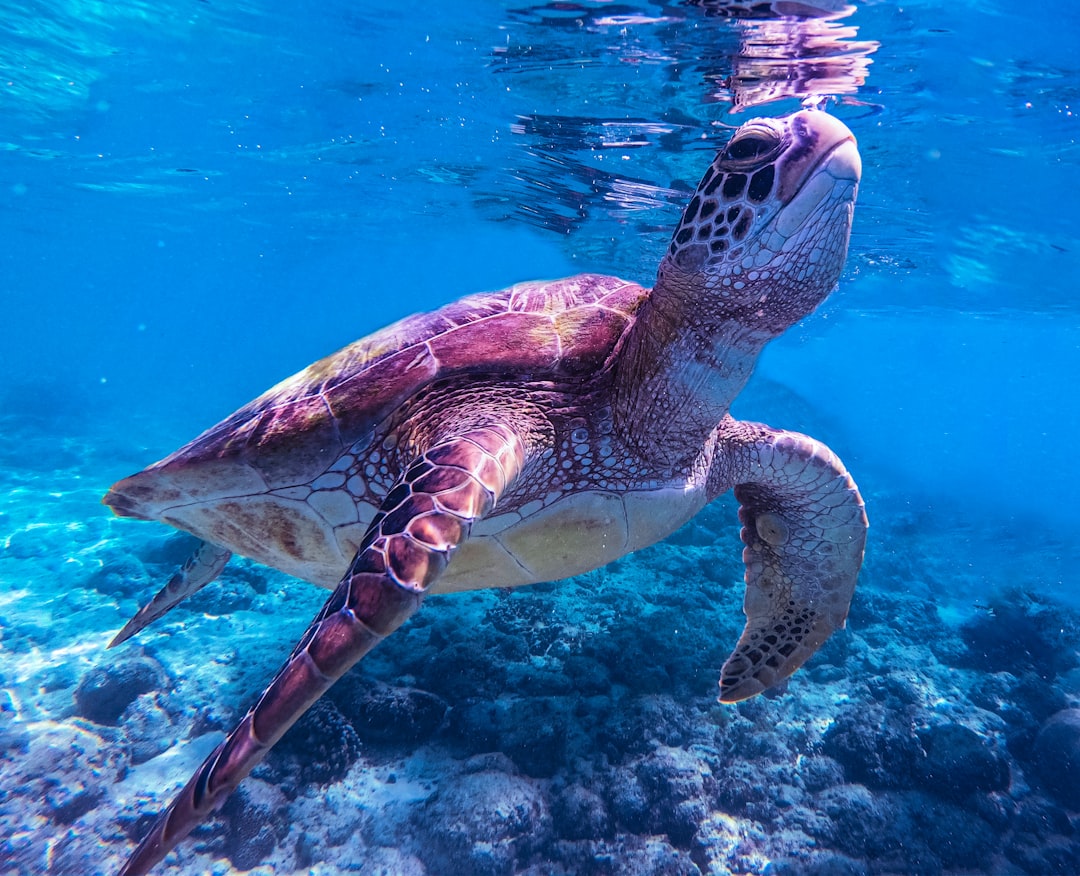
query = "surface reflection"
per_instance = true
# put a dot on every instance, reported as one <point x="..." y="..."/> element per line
<point x="794" y="57"/>
<point x="697" y="56"/>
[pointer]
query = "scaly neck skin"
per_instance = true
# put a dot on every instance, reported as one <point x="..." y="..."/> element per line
<point x="683" y="364"/>
<point x="759" y="246"/>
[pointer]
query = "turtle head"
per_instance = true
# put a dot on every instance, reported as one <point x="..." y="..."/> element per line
<point x="764" y="239"/>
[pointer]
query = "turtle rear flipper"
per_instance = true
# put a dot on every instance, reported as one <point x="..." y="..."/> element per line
<point x="202" y="567"/>
<point x="424" y="517"/>
<point x="804" y="528"/>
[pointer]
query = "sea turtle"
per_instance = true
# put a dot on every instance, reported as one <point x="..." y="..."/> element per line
<point x="536" y="433"/>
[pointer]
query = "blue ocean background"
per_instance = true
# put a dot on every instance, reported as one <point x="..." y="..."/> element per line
<point x="202" y="198"/>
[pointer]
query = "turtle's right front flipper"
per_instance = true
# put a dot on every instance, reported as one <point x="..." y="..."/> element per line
<point x="427" y="514"/>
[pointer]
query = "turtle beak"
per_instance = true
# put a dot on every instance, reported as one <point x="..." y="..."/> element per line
<point x="842" y="162"/>
<point x="827" y="168"/>
<point x="820" y="141"/>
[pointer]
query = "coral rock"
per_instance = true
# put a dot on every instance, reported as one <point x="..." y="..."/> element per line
<point x="961" y="762"/>
<point x="484" y="823"/>
<point x="1057" y="757"/>
<point x="105" y="692"/>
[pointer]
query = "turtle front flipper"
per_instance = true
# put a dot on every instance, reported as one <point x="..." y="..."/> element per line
<point x="424" y="517"/>
<point x="202" y="567"/>
<point x="804" y="528"/>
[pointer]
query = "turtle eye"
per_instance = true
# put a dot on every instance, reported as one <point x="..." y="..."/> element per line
<point x="751" y="148"/>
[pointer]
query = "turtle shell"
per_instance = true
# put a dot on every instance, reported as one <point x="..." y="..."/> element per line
<point x="292" y="434"/>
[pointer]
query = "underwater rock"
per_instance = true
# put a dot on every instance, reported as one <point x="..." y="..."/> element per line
<point x="532" y="731"/>
<point x="1041" y="855"/>
<point x="532" y="620"/>
<point x="725" y="845"/>
<point x="768" y="746"/>
<point x="990" y="690"/>
<point x="637" y="722"/>
<point x="677" y="784"/>
<point x="805" y="819"/>
<point x="653" y="857"/>
<point x="819" y="864"/>
<point x="893" y="690"/>
<point x="588" y="677"/>
<point x="1036" y="814"/>
<point x="1018" y="633"/>
<point x="742" y="786"/>
<point x="122" y="576"/>
<point x="255" y="824"/>
<point x="960" y="762"/>
<point x="1026" y="705"/>
<point x="627" y="800"/>
<point x="236" y="589"/>
<point x="490" y="761"/>
<point x="464" y="669"/>
<point x="860" y="822"/>
<point x="148" y="728"/>
<point x="509" y="649"/>
<point x="399" y="715"/>
<point x="529" y="680"/>
<point x="483" y="823"/>
<point x="937" y="831"/>
<point x="996" y="808"/>
<point x="1036" y="698"/>
<point x="1043" y="839"/>
<point x="72" y="799"/>
<point x="904" y="832"/>
<point x="323" y="742"/>
<point x="819" y="772"/>
<point x="635" y="669"/>
<point x="877" y="747"/>
<point x="674" y="774"/>
<point x="106" y="691"/>
<point x="578" y="813"/>
<point x="623" y="855"/>
<point x="1057" y="757"/>
<point x="49" y="796"/>
<point x="679" y="821"/>
<point x="66" y="855"/>
<point x="57" y="677"/>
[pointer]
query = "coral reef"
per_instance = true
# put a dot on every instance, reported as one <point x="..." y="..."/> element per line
<point x="569" y="728"/>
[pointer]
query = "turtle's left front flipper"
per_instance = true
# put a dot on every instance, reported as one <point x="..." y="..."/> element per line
<point x="424" y="517"/>
<point x="804" y="528"/>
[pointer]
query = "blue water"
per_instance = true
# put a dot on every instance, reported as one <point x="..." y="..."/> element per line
<point x="202" y="198"/>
